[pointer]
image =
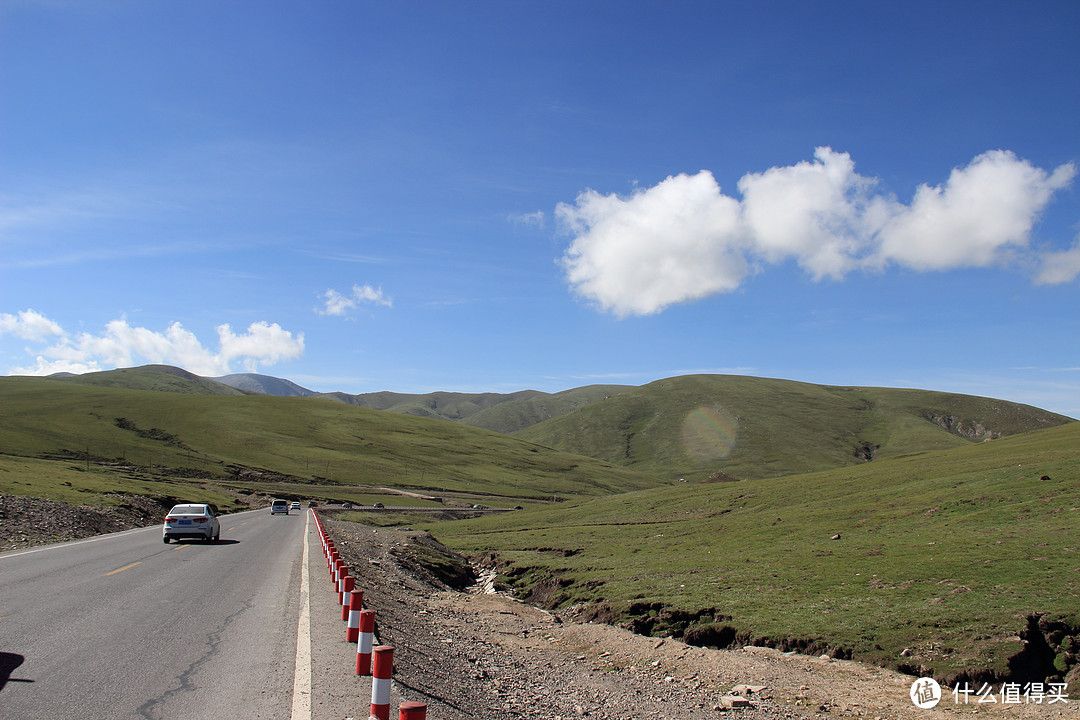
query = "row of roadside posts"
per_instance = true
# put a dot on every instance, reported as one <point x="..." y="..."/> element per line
<point x="376" y="662"/>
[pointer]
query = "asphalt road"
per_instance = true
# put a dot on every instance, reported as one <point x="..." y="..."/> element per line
<point x="124" y="626"/>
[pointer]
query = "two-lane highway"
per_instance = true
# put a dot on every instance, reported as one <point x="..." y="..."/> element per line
<point x="125" y="626"/>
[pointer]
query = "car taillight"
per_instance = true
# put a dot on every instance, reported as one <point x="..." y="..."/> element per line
<point x="169" y="519"/>
<point x="200" y="519"/>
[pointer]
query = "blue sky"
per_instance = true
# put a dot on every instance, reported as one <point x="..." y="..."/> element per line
<point x="418" y="196"/>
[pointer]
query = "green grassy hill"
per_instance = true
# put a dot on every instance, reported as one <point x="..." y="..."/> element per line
<point x="162" y="378"/>
<point x="295" y="440"/>
<point x="438" y="405"/>
<point x="700" y="426"/>
<point x="947" y="555"/>
<point x="521" y="413"/>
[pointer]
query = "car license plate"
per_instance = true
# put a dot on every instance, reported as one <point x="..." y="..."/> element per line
<point x="185" y="522"/>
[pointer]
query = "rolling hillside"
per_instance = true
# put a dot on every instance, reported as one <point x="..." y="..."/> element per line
<point x="722" y="426"/>
<point x="160" y="378"/>
<point x="264" y="385"/>
<point x="501" y="412"/>
<point x="187" y="434"/>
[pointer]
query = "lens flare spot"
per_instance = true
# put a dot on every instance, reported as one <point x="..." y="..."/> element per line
<point x="709" y="433"/>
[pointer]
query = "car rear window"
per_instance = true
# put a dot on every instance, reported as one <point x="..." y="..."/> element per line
<point x="188" y="510"/>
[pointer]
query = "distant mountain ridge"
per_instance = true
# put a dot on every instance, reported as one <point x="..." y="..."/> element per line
<point x="501" y="412"/>
<point x="264" y="385"/>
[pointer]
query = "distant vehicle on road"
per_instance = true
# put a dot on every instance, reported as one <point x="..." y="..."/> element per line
<point x="191" y="521"/>
<point x="295" y="505"/>
<point x="378" y="505"/>
<point x="279" y="506"/>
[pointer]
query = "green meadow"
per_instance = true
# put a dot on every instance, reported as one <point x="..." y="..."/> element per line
<point x="261" y="443"/>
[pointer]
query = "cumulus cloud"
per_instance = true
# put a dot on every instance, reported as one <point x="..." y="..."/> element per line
<point x="337" y="303"/>
<point x="122" y="345"/>
<point x="684" y="239"/>
<point x="677" y="241"/>
<point x="985" y="208"/>
<point x="29" y="325"/>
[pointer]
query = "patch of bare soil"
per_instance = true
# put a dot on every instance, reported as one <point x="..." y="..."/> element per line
<point x="27" y="521"/>
<point x="470" y="653"/>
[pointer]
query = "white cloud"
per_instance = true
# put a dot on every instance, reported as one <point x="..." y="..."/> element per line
<point x="1057" y="268"/>
<point x="122" y="345"/>
<point x="683" y="239"/>
<point x="677" y="241"/>
<point x="336" y="303"/>
<point x="536" y="219"/>
<point x="819" y="213"/>
<point x="985" y="208"/>
<point x="29" y="325"/>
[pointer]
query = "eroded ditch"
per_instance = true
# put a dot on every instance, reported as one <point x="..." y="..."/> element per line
<point x="1050" y="651"/>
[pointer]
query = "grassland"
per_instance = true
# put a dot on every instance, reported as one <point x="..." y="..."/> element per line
<point x="944" y="554"/>
<point x="260" y="443"/>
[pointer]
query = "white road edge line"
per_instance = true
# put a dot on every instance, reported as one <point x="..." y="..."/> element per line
<point x="301" y="696"/>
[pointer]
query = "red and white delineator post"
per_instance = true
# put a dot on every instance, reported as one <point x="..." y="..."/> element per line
<point x="380" y="682"/>
<point x="364" y="642"/>
<point x="339" y="586"/>
<point x="335" y="572"/>
<point x="348" y="582"/>
<point x="354" y="606"/>
<point x="412" y="711"/>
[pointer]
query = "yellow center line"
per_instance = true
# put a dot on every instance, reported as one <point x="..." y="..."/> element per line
<point x="126" y="567"/>
<point x="179" y="547"/>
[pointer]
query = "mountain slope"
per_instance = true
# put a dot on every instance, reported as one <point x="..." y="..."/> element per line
<point x="306" y="439"/>
<point x="520" y="413"/>
<point x="264" y="385"/>
<point x="160" y="378"/>
<point x="438" y="405"/>
<point x="702" y="426"/>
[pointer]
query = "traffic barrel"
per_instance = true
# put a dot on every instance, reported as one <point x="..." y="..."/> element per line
<point x="356" y="604"/>
<point x="412" y="711"/>
<point x="364" y="642"/>
<point x="380" y="682"/>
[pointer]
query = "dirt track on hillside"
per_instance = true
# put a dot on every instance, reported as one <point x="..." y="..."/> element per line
<point x="474" y="654"/>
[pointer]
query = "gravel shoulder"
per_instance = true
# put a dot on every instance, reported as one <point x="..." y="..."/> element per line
<point x="474" y="654"/>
